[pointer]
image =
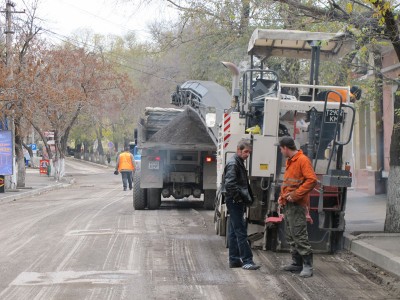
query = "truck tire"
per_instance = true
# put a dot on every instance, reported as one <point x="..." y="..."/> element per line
<point x="139" y="195"/>
<point x="209" y="199"/>
<point x="153" y="198"/>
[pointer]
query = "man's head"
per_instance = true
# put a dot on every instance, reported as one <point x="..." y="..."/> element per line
<point x="287" y="146"/>
<point x="126" y="148"/>
<point x="355" y="93"/>
<point x="244" y="148"/>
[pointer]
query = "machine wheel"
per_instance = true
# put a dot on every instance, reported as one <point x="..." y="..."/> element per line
<point x="227" y="232"/>
<point x="219" y="217"/>
<point x="271" y="237"/>
<point x="209" y="199"/>
<point x="153" y="198"/>
<point x="139" y="195"/>
<point x="222" y="228"/>
<point x="216" y="226"/>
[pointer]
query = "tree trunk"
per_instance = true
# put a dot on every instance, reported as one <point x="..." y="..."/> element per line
<point x="392" y="221"/>
<point x="63" y="144"/>
<point x="244" y="16"/>
<point x="78" y="150"/>
<point x="100" y="149"/>
<point x="86" y="149"/>
<point x="19" y="153"/>
<point x="62" y="167"/>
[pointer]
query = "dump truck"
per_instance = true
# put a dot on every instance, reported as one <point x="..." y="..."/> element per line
<point x="178" y="147"/>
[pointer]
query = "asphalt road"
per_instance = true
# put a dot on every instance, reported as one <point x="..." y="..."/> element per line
<point x="87" y="242"/>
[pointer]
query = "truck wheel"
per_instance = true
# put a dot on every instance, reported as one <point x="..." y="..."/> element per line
<point x="139" y="195"/>
<point x="209" y="199"/>
<point x="153" y="198"/>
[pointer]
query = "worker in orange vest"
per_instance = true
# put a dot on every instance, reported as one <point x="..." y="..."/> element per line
<point x="126" y="166"/>
<point x="355" y="94"/>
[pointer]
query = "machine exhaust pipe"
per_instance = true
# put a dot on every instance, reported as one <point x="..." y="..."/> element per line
<point x="235" y="82"/>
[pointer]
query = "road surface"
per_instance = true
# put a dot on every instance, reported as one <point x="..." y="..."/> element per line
<point x="87" y="242"/>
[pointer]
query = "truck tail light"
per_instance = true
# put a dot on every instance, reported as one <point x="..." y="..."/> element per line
<point x="154" y="158"/>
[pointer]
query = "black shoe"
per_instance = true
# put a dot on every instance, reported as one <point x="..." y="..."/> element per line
<point x="238" y="264"/>
<point x="297" y="263"/>
<point x="130" y="189"/>
<point x="124" y="189"/>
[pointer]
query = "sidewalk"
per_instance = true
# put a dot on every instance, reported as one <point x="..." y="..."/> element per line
<point x="364" y="236"/>
<point x="35" y="184"/>
<point x="365" y="218"/>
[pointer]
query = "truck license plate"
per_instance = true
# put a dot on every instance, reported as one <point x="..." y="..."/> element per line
<point x="154" y="165"/>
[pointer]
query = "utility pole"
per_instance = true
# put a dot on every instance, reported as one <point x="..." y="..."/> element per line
<point x="12" y="181"/>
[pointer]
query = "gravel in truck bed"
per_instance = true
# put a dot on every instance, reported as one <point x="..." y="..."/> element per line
<point x="185" y="128"/>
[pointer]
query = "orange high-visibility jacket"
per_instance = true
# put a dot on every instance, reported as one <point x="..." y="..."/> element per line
<point x="299" y="179"/>
<point x="125" y="162"/>
<point x="333" y="97"/>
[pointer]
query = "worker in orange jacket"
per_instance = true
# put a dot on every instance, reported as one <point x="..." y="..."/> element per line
<point x="355" y="94"/>
<point x="126" y="166"/>
<point x="299" y="180"/>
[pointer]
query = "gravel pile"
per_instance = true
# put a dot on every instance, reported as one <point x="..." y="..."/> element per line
<point x="185" y="128"/>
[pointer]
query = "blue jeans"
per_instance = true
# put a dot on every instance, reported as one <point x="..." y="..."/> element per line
<point x="239" y="247"/>
<point x="126" y="179"/>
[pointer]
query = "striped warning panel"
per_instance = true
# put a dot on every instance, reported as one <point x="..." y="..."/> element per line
<point x="227" y="129"/>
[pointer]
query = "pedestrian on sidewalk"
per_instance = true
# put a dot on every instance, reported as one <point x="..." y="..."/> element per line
<point x="298" y="182"/>
<point x="238" y="194"/>
<point x="126" y="166"/>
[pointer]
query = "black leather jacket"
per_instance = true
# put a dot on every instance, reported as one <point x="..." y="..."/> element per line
<point x="236" y="184"/>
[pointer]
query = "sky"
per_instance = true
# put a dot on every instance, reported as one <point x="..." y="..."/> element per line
<point x="102" y="16"/>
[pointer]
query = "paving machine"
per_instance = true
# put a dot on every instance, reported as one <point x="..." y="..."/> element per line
<point x="266" y="109"/>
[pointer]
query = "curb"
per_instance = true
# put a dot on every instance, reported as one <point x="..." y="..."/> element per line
<point x="34" y="192"/>
<point x="359" y="246"/>
<point x="93" y="163"/>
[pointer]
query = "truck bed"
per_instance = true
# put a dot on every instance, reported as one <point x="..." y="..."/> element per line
<point x="185" y="132"/>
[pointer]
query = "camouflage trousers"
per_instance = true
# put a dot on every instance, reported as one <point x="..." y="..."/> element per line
<point x="296" y="228"/>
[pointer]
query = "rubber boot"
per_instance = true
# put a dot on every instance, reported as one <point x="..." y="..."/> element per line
<point x="307" y="266"/>
<point x="297" y="263"/>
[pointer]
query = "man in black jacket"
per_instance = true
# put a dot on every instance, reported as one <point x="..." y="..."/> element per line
<point x="237" y="195"/>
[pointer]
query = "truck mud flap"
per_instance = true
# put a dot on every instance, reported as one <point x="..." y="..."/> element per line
<point x="139" y="195"/>
<point x="153" y="198"/>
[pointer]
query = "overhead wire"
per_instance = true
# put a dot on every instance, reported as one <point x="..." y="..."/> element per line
<point x="101" y="18"/>
<point x="80" y="44"/>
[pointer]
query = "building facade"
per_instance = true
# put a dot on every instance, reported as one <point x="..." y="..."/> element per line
<point x="373" y="130"/>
